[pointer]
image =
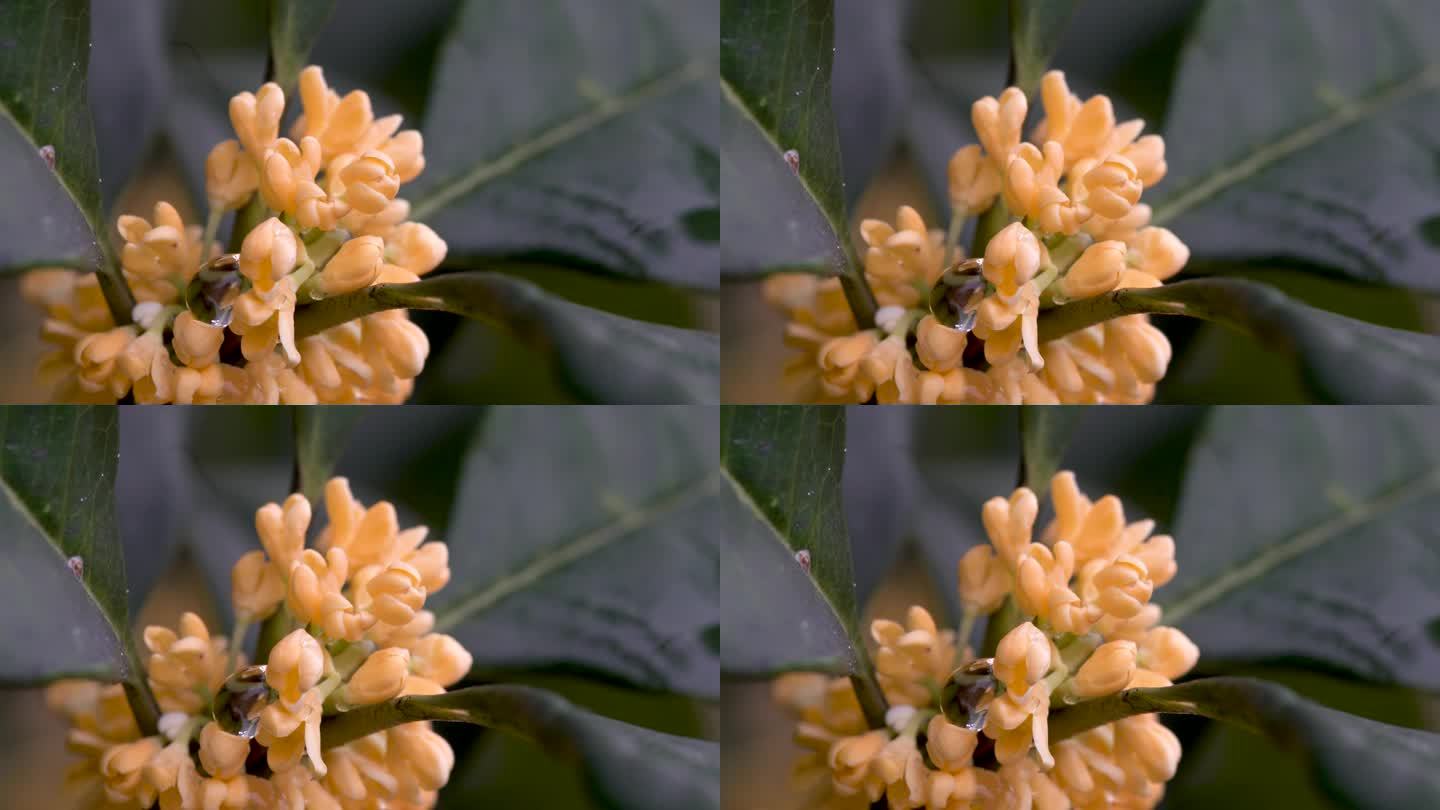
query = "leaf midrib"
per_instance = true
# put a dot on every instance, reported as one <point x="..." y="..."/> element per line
<point x="1268" y="154"/>
<point x="556" y="558"/>
<point x="1271" y="557"/>
<point x="560" y="133"/>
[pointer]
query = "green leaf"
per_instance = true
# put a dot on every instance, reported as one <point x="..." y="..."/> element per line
<point x="50" y="216"/>
<point x="1359" y="763"/>
<point x="63" y="572"/>
<point x="775" y="63"/>
<point x="58" y="474"/>
<point x="606" y="358"/>
<point x="588" y="538"/>
<point x="1282" y="144"/>
<point x="295" y="25"/>
<point x="1036" y="28"/>
<point x="1044" y="433"/>
<point x="1344" y="360"/>
<point x="626" y="767"/>
<point x="578" y="130"/>
<point x="1306" y="533"/>
<point x="320" y="437"/>
<point x="789" y="553"/>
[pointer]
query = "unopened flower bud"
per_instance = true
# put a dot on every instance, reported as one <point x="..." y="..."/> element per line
<point x="295" y="666"/>
<point x="1142" y="344"/>
<point x="950" y="746"/>
<point x="403" y="344"/>
<point x="1010" y="522"/>
<point x="230" y="176"/>
<point x="426" y="753"/>
<point x="984" y="582"/>
<point x="1169" y="652"/>
<point x="282" y="529"/>
<point x="355" y="265"/>
<point x="974" y="181"/>
<point x="222" y="754"/>
<point x="396" y="594"/>
<point x="415" y="247"/>
<point x="1012" y="258"/>
<point x="268" y="253"/>
<point x="288" y="173"/>
<point x="197" y="344"/>
<point x="1123" y="588"/>
<point x="256" y="117"/>
<point x="122" y="770"/>
<point x="998" y="122"/>
<point x="441" y="659"/>
<point x="1161" y="251"/>
<point x="1022" y="658"/>
<point x="1097" y="270"/>
<point x="1148" y="155"/>
<point x="940" y="347"/>
<point x="1107" y="671"/>
<point x="407" y="149"/>
<point x="256" y="587"/>
<point x="1154" y="747"/>
<point x="370" y="182"/>
<point x="1112" y="187"/>
<point x="380" y="678"/>
<point x="432" y="560"/>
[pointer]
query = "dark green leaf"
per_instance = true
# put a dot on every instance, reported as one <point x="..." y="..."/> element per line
<point x="588" y="538"/>
<point x="1309" y="533"/>
<point x="1344" y="360"/>
<point x="1357" y="762"/>
<point x="320" y="437"/>
<point x="789" y="551"/>
<point x="1036" y="28"/>
<point x="295" y="25"/>
<point x="626" y="767"/>
<point x="128" y="86"/>
<point x="47" y="216"/>
<point x="1282" y="144"/>
<point x="1044" y="433"/>
<point x="605" y="357"/>
<point x="775" y="63"/>
<point x="577" y="129"/>
<point x="62" y="571"/>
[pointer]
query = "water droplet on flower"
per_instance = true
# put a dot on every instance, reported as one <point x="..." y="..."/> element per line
<point x="212" y="292"/>
<point x="955" y="298"/>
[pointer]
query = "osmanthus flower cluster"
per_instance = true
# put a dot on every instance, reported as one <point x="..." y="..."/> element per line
<point x="213" y="328"/>
<point x="968" y="733"/>
<point x="239" y="736"/>
<point x="956" y="331"/>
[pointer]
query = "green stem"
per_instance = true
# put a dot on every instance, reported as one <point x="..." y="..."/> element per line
<point x="1227" y="699"/>
<point x="118" y="298"/>
<point x="137" y="692"/>
<point x="246" y="219"/>
<point x="867" y="689"/>
<point x="952" y="235"/>
<point x="212" y="227"/>
<point x="272" y="630"/>
<point x="1001" y="622"/>
<point x="1206" y="299"/>
<point x="991" y="222"/>
<point x="857" y="290"/>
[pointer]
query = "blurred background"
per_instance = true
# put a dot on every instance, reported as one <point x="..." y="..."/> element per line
<point x="909" y="526"/>
<point x="183" y="525"/>
<point x="176" y="71"/>
<point x="904" y="77"/>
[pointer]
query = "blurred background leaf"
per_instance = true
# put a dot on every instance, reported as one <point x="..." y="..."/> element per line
<point x="610" y="566"/>
<point x="1301" y="121"/>
<point x="295" y="25"/>
<point x="1317" y="541"/>
<point x="608" y="157"/>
